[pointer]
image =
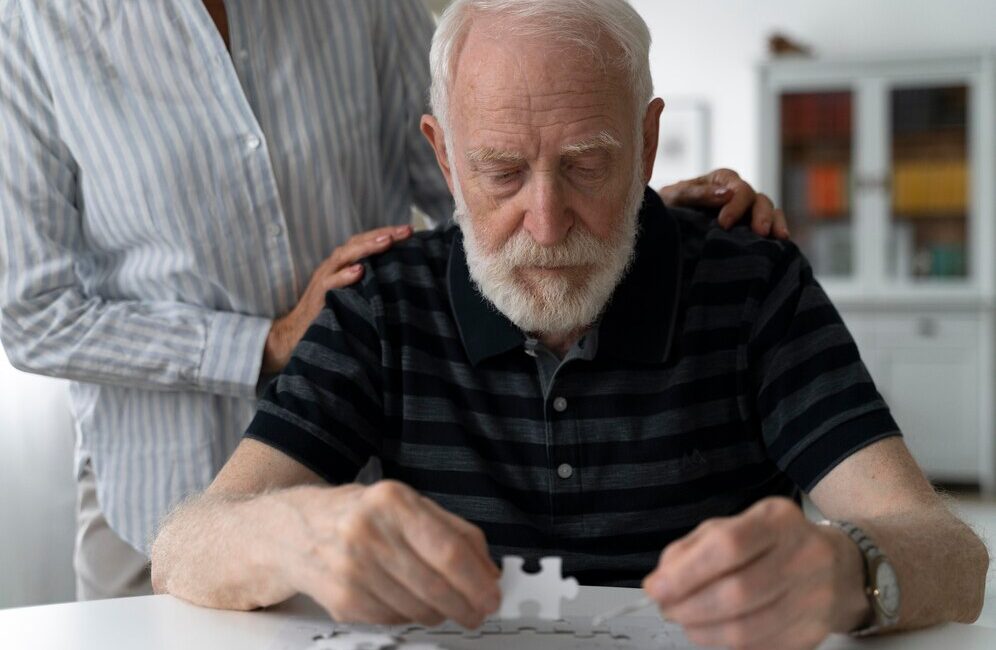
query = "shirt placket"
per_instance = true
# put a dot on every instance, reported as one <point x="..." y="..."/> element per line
<point x="564" y="456"/>
<point x="238" y="71"/>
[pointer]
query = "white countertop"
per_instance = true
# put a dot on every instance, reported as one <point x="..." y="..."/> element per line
<point x="166" y="623"/>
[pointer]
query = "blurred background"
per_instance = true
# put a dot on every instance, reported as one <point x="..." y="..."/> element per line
<point x="872" y="122"/>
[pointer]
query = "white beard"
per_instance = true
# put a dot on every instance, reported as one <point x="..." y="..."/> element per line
<point x="553" y="304"/>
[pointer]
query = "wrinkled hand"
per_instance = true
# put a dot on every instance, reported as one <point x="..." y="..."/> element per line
<point x="724" y="189"/>
<point x="385" y="554"/>
<point x="338" y="270"/>
<point x="766" y="579"/>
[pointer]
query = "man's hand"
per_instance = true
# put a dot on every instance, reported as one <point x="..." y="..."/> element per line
<point x="338" y="270"/>
<point x="724" y="189"/>
<point x="767" y="578"/>
<point x="385" y="554"/>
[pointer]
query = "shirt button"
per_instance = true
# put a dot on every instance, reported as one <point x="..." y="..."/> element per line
<point x="560" y="405"/>
<point x="243" y="55"/>
<point x="253" y="141"/>
<point x="565" y="471"/>
<point x="274" y="230"/>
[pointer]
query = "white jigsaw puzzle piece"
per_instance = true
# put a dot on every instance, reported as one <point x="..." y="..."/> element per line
<point x="355" y="641"/>
<point x="546" y="588"/>
<point x="574" y="632"/>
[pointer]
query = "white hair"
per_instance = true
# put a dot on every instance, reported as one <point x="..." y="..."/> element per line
<point x="577" y="23"/>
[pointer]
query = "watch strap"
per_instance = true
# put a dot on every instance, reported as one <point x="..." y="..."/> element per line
<point x="870" y="553"/>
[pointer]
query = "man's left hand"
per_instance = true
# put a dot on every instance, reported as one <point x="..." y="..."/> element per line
<point x="767" y="578"/>
<point x="735" y="198"/>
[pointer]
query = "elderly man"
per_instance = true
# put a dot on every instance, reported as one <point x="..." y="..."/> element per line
<point x="172" y="175"/>
<point x="573" y="369"/>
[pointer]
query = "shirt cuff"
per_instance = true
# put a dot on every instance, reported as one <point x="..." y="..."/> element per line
<point x="233" y="354"/>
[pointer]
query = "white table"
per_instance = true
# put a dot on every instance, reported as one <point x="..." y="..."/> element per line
<point x="166" y="623"/>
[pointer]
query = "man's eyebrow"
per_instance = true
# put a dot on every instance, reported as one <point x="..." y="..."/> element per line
<point x="599" y="142"/>
<point x="481" y="155"/>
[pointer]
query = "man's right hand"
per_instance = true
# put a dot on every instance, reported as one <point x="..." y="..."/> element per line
<point x="340" y="269"/>
<point x="385" y="554"/>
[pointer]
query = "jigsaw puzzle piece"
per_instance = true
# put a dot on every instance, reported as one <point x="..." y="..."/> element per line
<point x="355" y="641"/>
<point x="447" y="627"/>
<point x="557" y="588"/>
<point x="545" y="589"/>
<point x="488" y="627"/>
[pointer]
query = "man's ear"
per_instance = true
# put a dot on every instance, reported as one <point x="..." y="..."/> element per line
<point x="433" y="132"/>
<point x="651" y="131"/>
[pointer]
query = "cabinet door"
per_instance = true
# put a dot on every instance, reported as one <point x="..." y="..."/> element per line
<point x="933" y="392"/>
<point x="929" y="228"/>
<point x="816" y="158"/>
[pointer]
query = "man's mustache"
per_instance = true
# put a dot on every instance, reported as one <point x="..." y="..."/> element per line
<point x="581" y="248"/>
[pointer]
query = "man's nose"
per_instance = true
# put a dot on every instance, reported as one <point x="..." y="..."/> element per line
<point x="548" y="218"/>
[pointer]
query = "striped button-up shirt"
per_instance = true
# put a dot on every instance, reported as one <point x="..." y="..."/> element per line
<point x="162" y="200"/>
<point x="720" y="375"/>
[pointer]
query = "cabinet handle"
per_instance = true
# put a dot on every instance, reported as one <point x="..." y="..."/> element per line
<point x="870" y="182"/>
<point x="927" y="327"/>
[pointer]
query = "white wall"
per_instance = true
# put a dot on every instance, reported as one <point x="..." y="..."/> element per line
<point x="37" y="490"/>
<point x="708" y="49"/>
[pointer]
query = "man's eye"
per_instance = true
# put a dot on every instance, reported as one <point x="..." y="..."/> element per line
<point x="502" y="177"/>
<point x="585" y="171"/>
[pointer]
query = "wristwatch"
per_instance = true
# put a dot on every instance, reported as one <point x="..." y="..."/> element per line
<point x="881" y="582"/>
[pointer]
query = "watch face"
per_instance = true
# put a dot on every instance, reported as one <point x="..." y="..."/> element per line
<point x="888" y="588"/>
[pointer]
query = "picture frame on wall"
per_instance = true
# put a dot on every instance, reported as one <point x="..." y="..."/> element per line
<point x="683" y="143"/>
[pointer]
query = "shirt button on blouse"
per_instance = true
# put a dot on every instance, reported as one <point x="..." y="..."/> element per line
<point x="560" y="405"/>
<point x="274" y="230"/>
<point x="253" y="142"/>
<point x="565" y="471"/>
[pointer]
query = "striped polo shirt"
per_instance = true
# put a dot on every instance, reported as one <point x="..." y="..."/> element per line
<point x="719" y="374"/>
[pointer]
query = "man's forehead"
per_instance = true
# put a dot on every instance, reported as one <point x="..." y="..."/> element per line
<point x="507" y="91"/>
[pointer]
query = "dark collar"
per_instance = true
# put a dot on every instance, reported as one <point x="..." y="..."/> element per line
<point x="637" y="325"/>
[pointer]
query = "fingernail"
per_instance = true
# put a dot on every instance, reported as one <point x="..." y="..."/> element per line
<point x="356" y="268"/>
<point x="383" y="238"/>
<point x="401" y="230"/>
<point x="723" y="191"/>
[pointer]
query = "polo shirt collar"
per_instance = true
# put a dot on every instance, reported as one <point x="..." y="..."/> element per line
<point x="485" y="331"/>
<point x="638" y="324"/>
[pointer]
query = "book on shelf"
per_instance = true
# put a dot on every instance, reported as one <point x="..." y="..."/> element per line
<point x="816" y="116"/>
<point x="818" y="190"/>
<point x="927" y="188"/>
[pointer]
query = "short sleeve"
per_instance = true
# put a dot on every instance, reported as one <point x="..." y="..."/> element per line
<point x="816" y="402"/>
<point x="325" y="409"/>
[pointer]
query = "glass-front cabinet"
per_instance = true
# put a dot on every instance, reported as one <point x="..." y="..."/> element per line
<point x="887" y="172"/>
<point x="877" y="163"/>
